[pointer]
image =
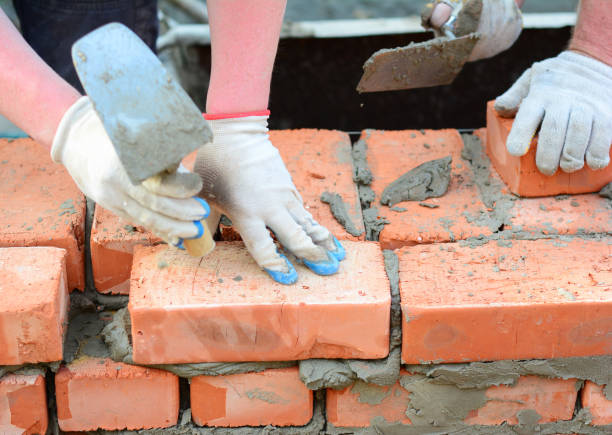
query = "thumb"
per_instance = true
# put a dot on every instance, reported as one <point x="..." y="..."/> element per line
<point x="508" y="103"/>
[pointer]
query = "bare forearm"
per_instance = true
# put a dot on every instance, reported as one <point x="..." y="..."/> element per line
<point x="593" y="32"/>
<point x="32" y="95"/>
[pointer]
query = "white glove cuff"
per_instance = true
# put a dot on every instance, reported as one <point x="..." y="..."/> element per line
<point x="242" y="125"/>
<point x="586" y="61"/>
<point x="71" y="118"/>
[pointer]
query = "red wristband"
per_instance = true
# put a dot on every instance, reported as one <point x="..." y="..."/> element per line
<point x="214" y="116"/>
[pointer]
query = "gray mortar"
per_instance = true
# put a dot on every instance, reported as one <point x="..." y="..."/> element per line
<point x="117" y="337"/>
<point x="362" y="175"/>
<point x="606" y="192"/>
<point x="187" y="427"/>
<point x="428" y="180"/>
<point x="597" y="369"/>
<point x="318" y="374"/>
<point x="339" y="211"/>
<point x="84" y="327"/>
<point x="374" y="223"/>
<point x="392" y="269"/>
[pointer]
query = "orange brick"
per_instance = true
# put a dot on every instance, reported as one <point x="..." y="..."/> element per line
<point x="276" y="397"/>
<point x="40" y="205"/>
<point x="535" y="299"/>
<point x="33" y="304"/>
<point x="224" y="308"/>
<point x="97" y="393"/>
<point x="521" y="174"/>
<point x="361" y="405"/>
<point x="390" y="154"/>
<point x="23" y="404"/>
<point x="587" y="213"/>
<point x="552" y="399"/>
<point x="594" y="400"/>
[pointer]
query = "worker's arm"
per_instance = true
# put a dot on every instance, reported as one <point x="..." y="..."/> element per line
<point x="41" y="103"/>
<point x="569" y="97"/>
<point x="243" y="174"/>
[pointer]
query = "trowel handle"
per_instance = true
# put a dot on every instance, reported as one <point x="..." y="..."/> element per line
<point x="201" y="246"/>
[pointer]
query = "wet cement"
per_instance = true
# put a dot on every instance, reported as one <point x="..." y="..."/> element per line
<point x="339" y="211"/>
<point x="428" y="180"/>
<point x="606" y="192"/>
<point x="374" y="223"/>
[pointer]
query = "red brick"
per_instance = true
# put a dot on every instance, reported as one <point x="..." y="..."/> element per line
<point x="318" y="160"/>
<point x="521" y="174"/>
<point x="594" y="401"/>
<point x="587" y="213"/>
<point x="23" y="404"/>
<point x="97" y="393"/>
<point x="552" y="399"/>
<point x="33" y="304"/>
<point x="276" y="397"/>
<point x="40" y="205"/>
<point x="390" y="154"/>
<point x="535" y="299"/>
<point x="225" y="308"/>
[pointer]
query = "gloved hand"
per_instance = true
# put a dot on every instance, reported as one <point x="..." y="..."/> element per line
<point x="166" y="206"/>
<point x="245" y="178"/>
<point x="499" y="23"/>
<point x="571" y="96"/>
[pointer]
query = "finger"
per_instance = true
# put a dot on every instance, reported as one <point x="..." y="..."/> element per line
<point x="524" y="127"/>
<point x="507" y="104"/>
<point x="180" y="184"/>
<point x="598" y="151"/>
<point x="162" y="225"/>
<point x="260" y="245"/>
<point x="190" y="209"/>
<point x="576" y="139"/>
<point x="440" y="15"/>
<point x="551" y="139"/>
<point x="318" y="233"/>
<point x="294" y="238"/>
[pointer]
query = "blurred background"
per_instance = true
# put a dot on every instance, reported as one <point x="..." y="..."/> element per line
<point x="324" y="44"/>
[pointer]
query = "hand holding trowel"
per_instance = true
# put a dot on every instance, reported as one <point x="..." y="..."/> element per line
<point x="476" y="29"/>
<point x="150" y="120"/>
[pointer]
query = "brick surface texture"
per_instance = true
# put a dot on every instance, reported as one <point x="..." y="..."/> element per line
<point x="94" y="393"/>
<point x="40" y="205"/>
<point x="598" y="405"/>
<point x="23" y="404"/>
<point x="33" y="304"/>
<point x="390" y="154"/>
<point x="521" y="174"/>
<point x="224" y="308"/>
<point x="533" y="299"/>
<point x="272" y="397"/>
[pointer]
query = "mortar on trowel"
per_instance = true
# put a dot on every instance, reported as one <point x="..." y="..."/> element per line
<point x="150" y="119"/>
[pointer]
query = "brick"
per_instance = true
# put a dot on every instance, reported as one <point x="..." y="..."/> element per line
<point x="598" y="405"/>
<point x="318" y="160"/>
<point x="33" y="304"/>
<point x="390" y="154"/>
<point x="363" y="405"/>
<point x="23" y="404"/>
<point x="533" y="299"/>
<point x="272" y="397"/>
<point x="521" y="174"/>
<point x="576" y="214"/>
<point x="95" y="393"/>
<point x="40" y="205"/>
<point x="223" y="307"/>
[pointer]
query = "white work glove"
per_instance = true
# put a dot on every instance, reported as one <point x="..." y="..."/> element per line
<point x="499" y="23"/>
<point x="245" y="178"/>
<point x="167" y="207"/>
<point x="571" y="96"/>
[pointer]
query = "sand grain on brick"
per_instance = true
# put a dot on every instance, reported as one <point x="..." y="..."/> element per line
<point x="223" y="307"/>
<point x="534" y="299"/>
<point x="272" y="397"/>
<point x="23" y="404"/>
<point x="521" y="173"/>
<point x="597" y="404"/>
<point x="40" y="205"/>
<point x="95" y="393"/>
<point x="33" y="304"/>
<point x="390" y="154"/>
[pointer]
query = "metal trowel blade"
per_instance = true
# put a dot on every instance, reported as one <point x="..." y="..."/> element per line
<point x="149" y="118"/>
<point x="424" y="64"/>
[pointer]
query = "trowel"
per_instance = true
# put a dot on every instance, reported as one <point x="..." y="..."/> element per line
<point x="419" y="65"/>
<point x="150" y="119"/>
